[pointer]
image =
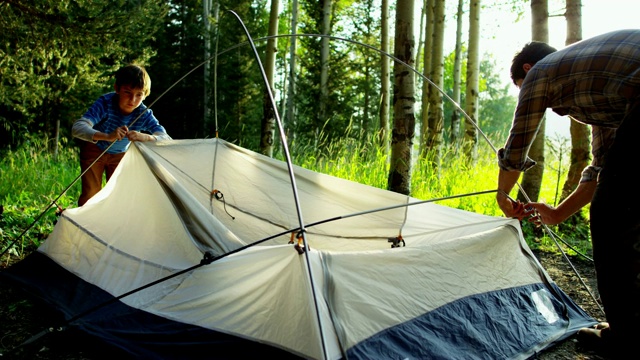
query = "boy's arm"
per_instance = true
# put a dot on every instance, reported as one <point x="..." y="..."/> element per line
<point x="138" y="136"/>
<point x="161" y="136"/>
<point x="83" y="130"/>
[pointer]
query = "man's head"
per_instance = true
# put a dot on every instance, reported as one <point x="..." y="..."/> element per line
<point x="527" y="57"/>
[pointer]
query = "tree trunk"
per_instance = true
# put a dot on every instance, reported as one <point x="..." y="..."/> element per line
<point x="268" y="116"/>
<point x="532" y="178"/>
<point x="324" y="60"/>
<point x="291" y="119"/>
<point x="473" y="83"/>
<point x="455" y="115"/>
<point x="403" y="101"/>
<point x="384" y="77"/>
<point x="580" y="145"/>
<point x="426" y="71"/>
<point x="436" y="110"/>
<point x="206" y="13"/>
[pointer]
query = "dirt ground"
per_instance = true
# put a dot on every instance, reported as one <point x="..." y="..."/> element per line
<point x="21" y="319"/>
<point x="582" y="289"/>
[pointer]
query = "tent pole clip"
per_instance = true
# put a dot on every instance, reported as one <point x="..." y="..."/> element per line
<point x="207" y="259"/>
<point x="395" y="242"/>
<point x="300" y="248"/>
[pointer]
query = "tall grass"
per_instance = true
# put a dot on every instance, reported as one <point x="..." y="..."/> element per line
<point x="31" y="179"/>
<point x="366" y="163"/>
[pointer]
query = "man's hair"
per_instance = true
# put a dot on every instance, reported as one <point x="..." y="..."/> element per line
<point x="530" y="54"/>
<point x="135" y="76"/>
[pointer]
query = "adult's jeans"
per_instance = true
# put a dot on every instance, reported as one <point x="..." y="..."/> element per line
<point x="615" y="232"/>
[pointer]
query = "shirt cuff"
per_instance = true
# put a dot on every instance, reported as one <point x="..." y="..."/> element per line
<point x="590" y="173"/>
<point x="506" y="165"/>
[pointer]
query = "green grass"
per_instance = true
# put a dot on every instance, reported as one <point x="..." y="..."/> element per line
<point x="367" y="164"/>
<point x="32" y="179"/>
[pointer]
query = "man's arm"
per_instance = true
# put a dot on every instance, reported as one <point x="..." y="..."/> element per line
<point x="549" y="215"/>
<point x="506" y="181"/>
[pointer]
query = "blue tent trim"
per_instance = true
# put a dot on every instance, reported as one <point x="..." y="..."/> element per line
<point x="510" y="315"/>
<point x="513" y="320"/>
<point x="128" y="331"/>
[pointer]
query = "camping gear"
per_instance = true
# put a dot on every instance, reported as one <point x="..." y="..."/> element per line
<point x="196" y="246"/>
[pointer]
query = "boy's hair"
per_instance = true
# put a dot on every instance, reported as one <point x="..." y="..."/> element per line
<point x="135" y="76"/>
<point x="530" y="54"/>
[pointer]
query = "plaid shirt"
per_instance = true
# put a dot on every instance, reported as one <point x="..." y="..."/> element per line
<point x="592" y="81"/>
<point x="105" y="116"/>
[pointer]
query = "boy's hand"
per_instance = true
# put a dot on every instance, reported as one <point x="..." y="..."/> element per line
<point x="118" y="134"/>
<point x="138" y="136"/>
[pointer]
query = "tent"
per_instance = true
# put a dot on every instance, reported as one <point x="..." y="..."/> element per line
<point x="200" y="246"/>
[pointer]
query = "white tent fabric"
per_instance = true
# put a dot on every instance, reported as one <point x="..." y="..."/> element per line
<point x="465" y="285"/>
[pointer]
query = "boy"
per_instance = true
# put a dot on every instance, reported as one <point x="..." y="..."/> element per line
<point x="112" y="122"/>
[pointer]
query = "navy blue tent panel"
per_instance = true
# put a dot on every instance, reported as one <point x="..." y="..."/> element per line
<point x="125" y="330"/>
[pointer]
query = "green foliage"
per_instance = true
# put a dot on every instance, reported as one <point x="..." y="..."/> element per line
<point x="496" y="104"/>
<point x="32" y="179"/>
<point x="367" y="164"/>
<point x="57" y="56"/>
<point x="28" y="204"/>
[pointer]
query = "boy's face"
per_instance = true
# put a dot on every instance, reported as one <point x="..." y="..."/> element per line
<point x="129" y="98"/>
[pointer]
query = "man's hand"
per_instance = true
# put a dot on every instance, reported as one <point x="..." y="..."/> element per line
<point x="541" y="213"/>
<point x="511" y="208"/>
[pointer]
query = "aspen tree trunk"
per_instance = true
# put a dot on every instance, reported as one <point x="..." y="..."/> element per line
<point x="206" y="12"/>
<point x="532" y="178"/>
<point x="436" y="109"/>
<point x="269" y="118"/>
<point x="426" y="71"/>
<point x="421" y="30"/>
<point x="580" y="145"/>
<point x="384" y="77"/>
<point x="324" y="60"/>
<point x="455" y="115"/>
<point x="291" y="112"/>
<point x="473" y="81"/>
<point x="403" y="101"/>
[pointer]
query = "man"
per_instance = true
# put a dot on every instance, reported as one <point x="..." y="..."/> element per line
<point x="597" y="82"/>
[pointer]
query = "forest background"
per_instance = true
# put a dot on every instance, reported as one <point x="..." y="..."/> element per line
<point x="57" y="57"/>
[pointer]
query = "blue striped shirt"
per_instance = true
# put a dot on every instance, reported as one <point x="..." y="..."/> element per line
<point x="105" y="116"/>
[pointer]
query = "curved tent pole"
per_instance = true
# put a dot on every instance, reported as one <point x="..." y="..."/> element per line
<point x="294" y="187"/>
